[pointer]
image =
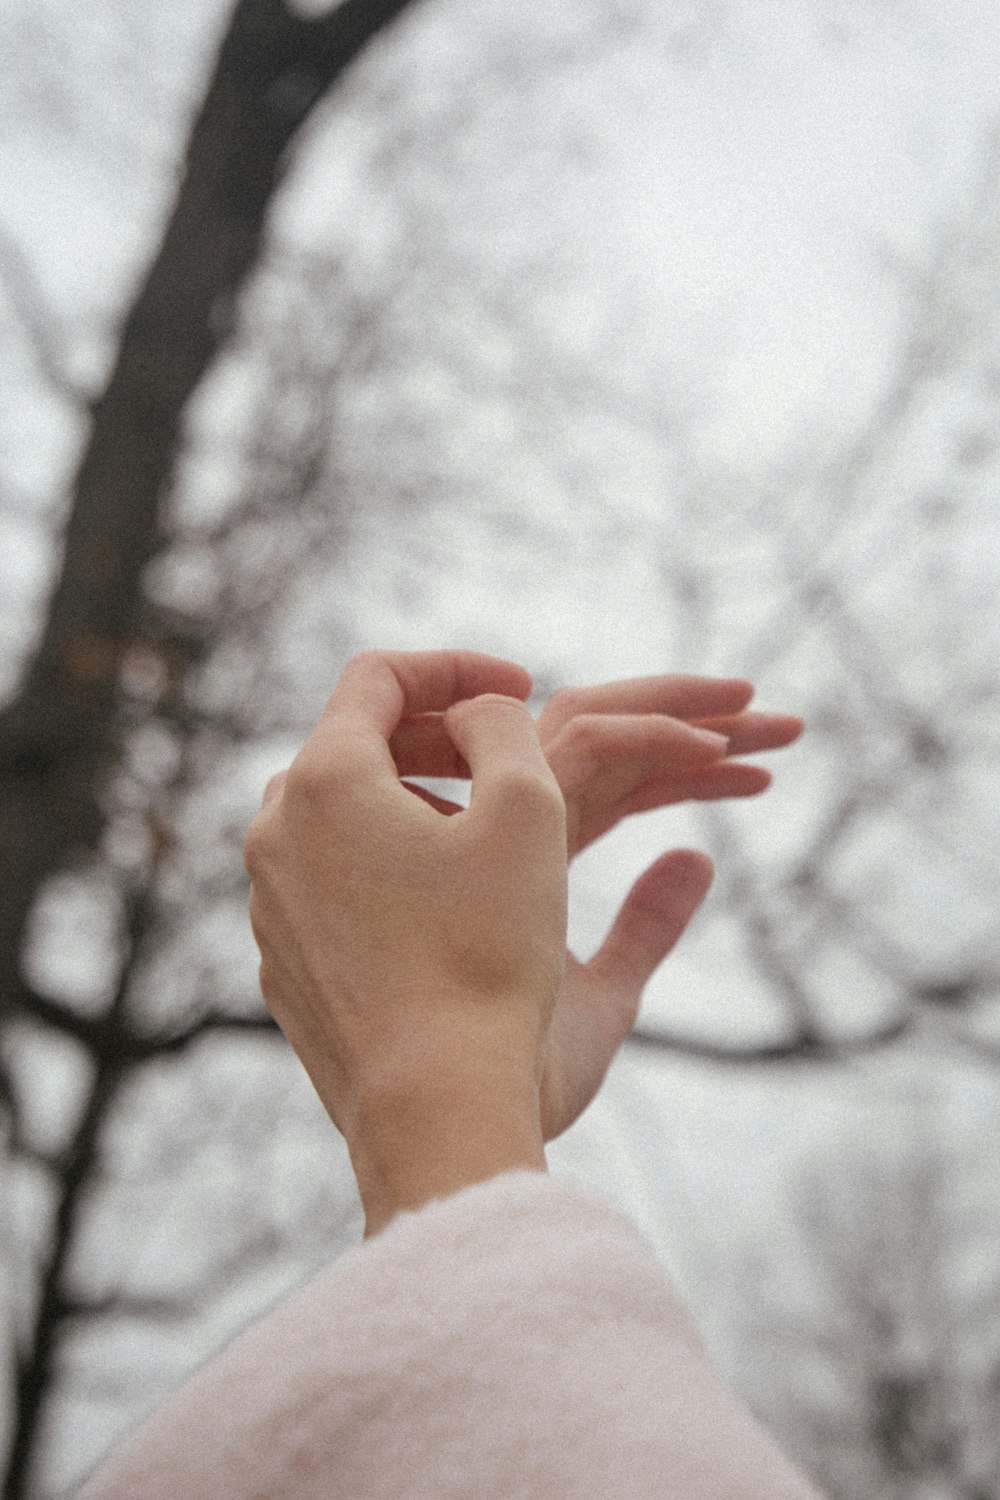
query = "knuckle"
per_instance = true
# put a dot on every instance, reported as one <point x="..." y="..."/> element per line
<point x="563" y="705"/>
<point x="529" y="789"/>
<point x="255" y="844"/>
<point x="565" y="699"/>
<point x="274" y="785"/>
<point x="253" y="909"/>
<point x="584" y="736"/>
<point x="369" y="657"/>
<point x="308" y="779"/>
<point x="313" y="778"/>
<point x="265" y="980"/>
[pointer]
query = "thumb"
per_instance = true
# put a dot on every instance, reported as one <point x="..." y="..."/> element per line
<point x="654" y="915"/>
<point x="498" y="738"/>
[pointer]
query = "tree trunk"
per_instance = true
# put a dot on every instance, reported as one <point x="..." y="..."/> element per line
<point x="60" y="735"/>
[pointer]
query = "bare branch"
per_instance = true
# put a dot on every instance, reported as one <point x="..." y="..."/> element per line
<point x="214" y="1024"/>
<point x="810" y="1048"/>
<point x="46" y="341"/>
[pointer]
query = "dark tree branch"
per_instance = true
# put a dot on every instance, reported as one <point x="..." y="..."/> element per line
<point x="127" y="1305"/>
<point x="213" y="1024"/>
<point x="35" y="1366"/>
<point x="88" y="1030"/>
<point x="809" y="1047"/>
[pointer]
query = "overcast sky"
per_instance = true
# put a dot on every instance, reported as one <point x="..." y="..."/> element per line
<point x="754" y="189"/>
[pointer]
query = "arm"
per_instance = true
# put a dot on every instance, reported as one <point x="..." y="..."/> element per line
<point x="516" y="1337"/>
<point x="413" y="960"/>
<point x="474" y="898"/>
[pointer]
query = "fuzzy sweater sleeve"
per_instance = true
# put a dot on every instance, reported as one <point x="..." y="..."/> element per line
<point x="518" y="1341"/>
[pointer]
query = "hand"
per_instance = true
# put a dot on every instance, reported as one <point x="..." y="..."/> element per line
<point x="617" y="749"/>
<point x="626" y="747"/>
<point x="413" y="960"/>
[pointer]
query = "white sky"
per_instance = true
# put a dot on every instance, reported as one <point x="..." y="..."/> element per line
<point x="748" y="201"/>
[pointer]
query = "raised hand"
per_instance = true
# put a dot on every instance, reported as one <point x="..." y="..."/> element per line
<point x="413" y="960"/>
<point x="617" y="749"/>
<point x="625" y="747"/>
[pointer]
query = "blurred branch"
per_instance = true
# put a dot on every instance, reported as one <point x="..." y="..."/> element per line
<point x="126" y="1305"/>
<point x="36" y="1359"/>
<point x="811" y="1047"/>
<point x="743" y="893"/>
<point x="45" y="339"/>
<point x="984" y="1048"/>
<point x="215" y="1023"/>
<point x="907" y="1398"/>
<point x="89" y="1030"/>
<point x="184" y="1304"/>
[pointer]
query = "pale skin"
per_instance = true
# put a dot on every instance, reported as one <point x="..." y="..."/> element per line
<point x="414" y="952"/>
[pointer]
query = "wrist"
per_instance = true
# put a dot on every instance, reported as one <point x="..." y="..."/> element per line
<point x="428" y="1138"/>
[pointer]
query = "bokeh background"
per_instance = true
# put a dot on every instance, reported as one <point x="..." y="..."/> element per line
<point x="614" y="336"/>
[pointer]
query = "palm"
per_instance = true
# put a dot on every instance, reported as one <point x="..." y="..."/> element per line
<point x="616" y="750"/>
<point x="598" y="1002"/>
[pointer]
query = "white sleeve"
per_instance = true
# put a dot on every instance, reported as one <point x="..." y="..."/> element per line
<point x="518" y="1341"/>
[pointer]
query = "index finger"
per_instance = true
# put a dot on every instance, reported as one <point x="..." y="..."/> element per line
<point x="678" y="695"/>
<point x="421" y="746"/>
<point x="379" y="688"/>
